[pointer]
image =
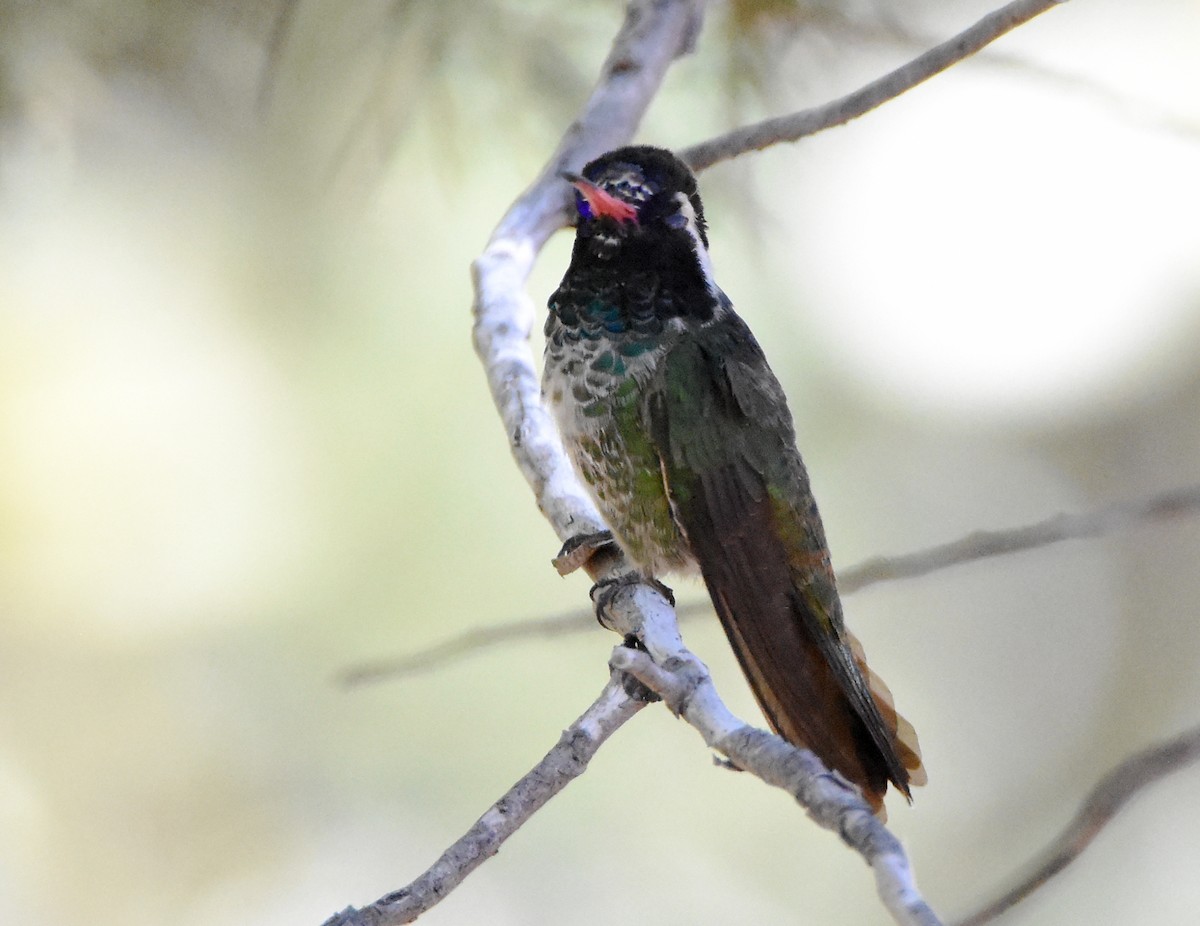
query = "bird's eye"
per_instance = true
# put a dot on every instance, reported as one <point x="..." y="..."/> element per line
<point x="677" y="220"/>
<point x="585" y="209"/>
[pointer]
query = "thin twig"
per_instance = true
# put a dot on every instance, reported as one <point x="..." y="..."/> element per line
<point x="1138" y="111"/>
<point x="982" y="544"/>
<point x="974" y="546"/>
<point x="274" y="52"/>
<point x="563" y="764"/>
<point x="810" y="121"/>
<point x="469" y="642"/>
<point x="1114" y="791"/>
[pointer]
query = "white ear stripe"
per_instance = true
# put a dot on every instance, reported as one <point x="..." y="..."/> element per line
<point x="692" y="227"/>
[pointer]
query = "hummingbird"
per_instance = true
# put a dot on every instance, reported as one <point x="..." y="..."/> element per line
<point x="682" y="435"/>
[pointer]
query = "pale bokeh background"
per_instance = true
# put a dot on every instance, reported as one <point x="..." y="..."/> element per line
<point x="244" y="443"/>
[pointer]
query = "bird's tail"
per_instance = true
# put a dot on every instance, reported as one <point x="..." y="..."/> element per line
<point x="805" y="703"/>
<point x="908" y="748"/>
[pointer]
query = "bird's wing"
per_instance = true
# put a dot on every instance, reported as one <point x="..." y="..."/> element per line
<point x="740" y="495"/>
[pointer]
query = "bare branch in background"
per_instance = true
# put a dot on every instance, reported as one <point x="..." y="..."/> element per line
<point x="920" y="69"/>
<point x="1145" y="112"/>
<point x="982" y="544"/>
<point x="1114" y="791"/>
<point x="280" y="28"/>
<point x="562" y="765"/>
<point x="467" y="643"/>
<point x="978" y="545"/>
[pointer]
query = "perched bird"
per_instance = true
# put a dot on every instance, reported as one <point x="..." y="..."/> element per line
<point x="682" y="435"/>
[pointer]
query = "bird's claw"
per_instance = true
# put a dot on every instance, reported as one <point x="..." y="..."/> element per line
<point x="604" y="594"/>
<point x="632" y="687"/>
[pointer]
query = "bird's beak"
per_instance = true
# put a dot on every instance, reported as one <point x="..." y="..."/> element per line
<point x="601" y="202"/>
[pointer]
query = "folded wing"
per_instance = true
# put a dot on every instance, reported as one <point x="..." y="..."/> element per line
<point x="740" y="495"/>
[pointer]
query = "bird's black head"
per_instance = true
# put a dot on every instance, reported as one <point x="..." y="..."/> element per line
<point x="639" y="198"/>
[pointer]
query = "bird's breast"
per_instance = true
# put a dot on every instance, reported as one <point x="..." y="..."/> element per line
<point x="595" y="387"/>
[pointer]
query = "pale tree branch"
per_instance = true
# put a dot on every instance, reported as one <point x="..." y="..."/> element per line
<point x="974" y="546"/>
<point x="839" y="112"/>
<point x="563" y="764"/>
<point x="1114" y="791"/>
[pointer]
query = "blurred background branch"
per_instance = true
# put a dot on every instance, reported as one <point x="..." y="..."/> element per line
<point x="1107" y="799"/>
<point x="977" y="545"/>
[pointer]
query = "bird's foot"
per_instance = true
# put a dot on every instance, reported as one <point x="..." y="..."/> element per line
<point x="606" y="598"/>
<point x="578" y="550"/>
<point x="606" y="592"/>
<point x="634" y="688"/>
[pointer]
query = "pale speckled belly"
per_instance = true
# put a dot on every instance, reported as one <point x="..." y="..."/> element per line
<point x="595" y="394"/>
